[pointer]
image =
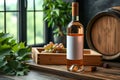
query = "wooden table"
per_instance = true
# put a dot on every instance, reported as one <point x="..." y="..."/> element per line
<point x="112" y="73"/>
<point x="35" y="75"/>
<point x="59" y="72"/>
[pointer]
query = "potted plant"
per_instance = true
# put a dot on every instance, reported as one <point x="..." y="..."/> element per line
<point x="58" y="15"/>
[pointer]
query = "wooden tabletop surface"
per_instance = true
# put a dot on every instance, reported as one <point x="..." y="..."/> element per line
<point x="35" y="75"/>
<point x="59" y="72"/>
<point x="101" y="73"/>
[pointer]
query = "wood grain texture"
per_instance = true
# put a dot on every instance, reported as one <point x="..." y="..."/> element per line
<point x="35" y="75"/>
<point x="103" y="33"/>
<point x="90" y="57"/>
<point x="101" y="73"/>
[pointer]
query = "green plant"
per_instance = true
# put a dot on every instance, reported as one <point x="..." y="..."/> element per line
<point x="58" y="15"/>
<point x="13" y="56"/>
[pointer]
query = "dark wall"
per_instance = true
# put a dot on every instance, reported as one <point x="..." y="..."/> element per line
<point x="91" y="7"/>
<point x="88" y="9"/>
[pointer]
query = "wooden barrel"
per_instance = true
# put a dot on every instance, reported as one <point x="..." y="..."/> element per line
<point x="103" y="33"/>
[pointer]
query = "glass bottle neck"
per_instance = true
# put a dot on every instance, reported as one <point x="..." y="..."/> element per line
<point x="75" y="18"/>
<point x="75" y="11"/>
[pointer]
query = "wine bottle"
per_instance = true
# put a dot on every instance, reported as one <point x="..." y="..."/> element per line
<point x="75" y="41"/>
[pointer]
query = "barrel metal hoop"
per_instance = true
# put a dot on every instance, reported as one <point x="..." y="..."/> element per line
<point x="111" y="57"/>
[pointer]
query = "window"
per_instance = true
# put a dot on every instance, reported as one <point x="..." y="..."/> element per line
<point x="8" y="17"/>
<point x="35" y="22"/>
<point x="23" y="19"/>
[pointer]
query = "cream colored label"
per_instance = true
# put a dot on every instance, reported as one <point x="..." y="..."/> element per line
<point x="75" y="47"/>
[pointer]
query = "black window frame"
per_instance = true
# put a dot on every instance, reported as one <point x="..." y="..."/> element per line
<point x="22" y="24"/>
<point x="22" y="28"/>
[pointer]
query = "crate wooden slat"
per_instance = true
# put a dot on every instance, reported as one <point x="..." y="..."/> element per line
<point x="91" y="57"/>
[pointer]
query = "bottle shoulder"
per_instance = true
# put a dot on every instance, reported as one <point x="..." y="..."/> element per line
<point x="75" y="27"/>
<point x="75" y="23"/>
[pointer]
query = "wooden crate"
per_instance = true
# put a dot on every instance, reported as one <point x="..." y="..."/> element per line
<point x="90" y="57"/>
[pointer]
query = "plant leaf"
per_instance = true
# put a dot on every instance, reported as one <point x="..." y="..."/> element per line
<point x="10" y="51"/>
<point x="13" y="64"/>
<point x="23" y="54"/>
<point x="2" y="63"/>
<point x="17" y="47"/>
<point x="4" y="50"/>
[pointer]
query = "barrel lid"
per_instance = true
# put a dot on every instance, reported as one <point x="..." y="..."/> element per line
<point x="94" y="24"/>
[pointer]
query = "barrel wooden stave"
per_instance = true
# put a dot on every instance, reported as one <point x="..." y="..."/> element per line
<point x="103" y="33"/>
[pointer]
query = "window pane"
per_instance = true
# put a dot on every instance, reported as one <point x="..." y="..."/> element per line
<point x="1" y="5"/>
<point x="39" y="27"/>
<point x="30" y="28"/>
<point x="11" y="23"/>
<point x="30" y="4"/>
<point x="38" y="4"/>
<point x="1" y="22"/>
<point x="11" y="4"/>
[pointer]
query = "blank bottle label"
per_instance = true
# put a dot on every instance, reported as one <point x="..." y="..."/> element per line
<point x="74" y="47"/>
